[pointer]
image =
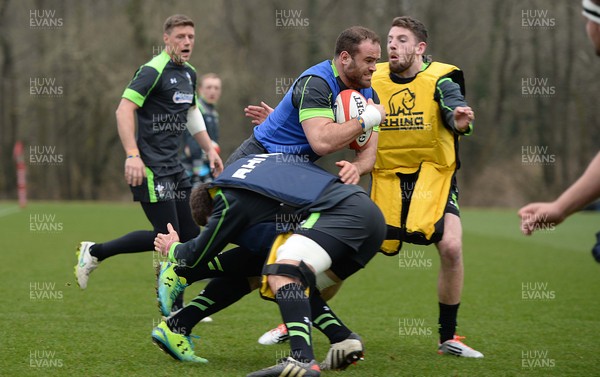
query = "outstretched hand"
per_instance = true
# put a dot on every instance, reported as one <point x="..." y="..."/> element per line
<point x="536" y="216"/>
<point x="348" y="172"/>
<point x="463" y="116"/>
<point x="258" y="114"/>
<point x="163" y="242"/>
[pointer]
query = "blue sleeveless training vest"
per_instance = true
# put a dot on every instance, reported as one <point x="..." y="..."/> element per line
<point x="282" y="132"/>
<point x="294" y="182"/>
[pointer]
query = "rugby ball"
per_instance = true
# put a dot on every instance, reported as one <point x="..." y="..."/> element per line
<point x="350" y="104"/>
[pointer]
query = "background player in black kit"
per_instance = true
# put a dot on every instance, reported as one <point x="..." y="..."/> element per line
<point x="162" y="95"/>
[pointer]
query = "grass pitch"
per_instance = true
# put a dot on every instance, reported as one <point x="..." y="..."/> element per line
<point x="530" y="304"/>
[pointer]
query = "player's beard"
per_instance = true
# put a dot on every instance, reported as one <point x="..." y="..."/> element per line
<point x="402" y="65"/>
<point x="356" y="77"/>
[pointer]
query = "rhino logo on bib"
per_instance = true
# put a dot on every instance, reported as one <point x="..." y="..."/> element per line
<point x="402" y="102"/>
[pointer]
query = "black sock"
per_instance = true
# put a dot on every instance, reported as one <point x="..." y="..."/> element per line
<point x="295" y="311"/>
<point x="447" y="321"/>
<point x="178" y="303"/>
<point x="216" y="296"/>
<point x="134" y="242"/>
<point x="326" y="321"/>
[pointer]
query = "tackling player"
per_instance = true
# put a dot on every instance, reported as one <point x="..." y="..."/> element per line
<point x="343" y="230"/>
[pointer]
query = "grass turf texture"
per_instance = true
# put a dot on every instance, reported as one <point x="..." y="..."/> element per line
<point x="52" y="328"/>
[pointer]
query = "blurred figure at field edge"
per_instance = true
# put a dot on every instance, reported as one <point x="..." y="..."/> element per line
<point x="194" y="159"/>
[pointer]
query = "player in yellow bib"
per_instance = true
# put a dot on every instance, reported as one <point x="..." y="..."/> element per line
<point x="414" y="180"/>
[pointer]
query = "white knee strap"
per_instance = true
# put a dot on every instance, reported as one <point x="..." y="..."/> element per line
<point x="301" y="248"/>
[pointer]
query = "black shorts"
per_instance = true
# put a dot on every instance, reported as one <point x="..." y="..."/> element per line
<point x="351" y="233"/>
<point x="452" y="206"/>
<point x="161" y="188"/>
<point x="248" y="147"/>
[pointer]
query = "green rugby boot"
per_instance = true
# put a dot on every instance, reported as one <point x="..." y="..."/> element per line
<point x="179" y="347"/>
<point x="169" y="286"/>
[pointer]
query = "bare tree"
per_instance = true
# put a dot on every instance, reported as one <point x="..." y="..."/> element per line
<point x="99" y="45"/>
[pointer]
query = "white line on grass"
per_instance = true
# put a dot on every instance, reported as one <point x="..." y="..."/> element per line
<point x="9" y="211"/>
